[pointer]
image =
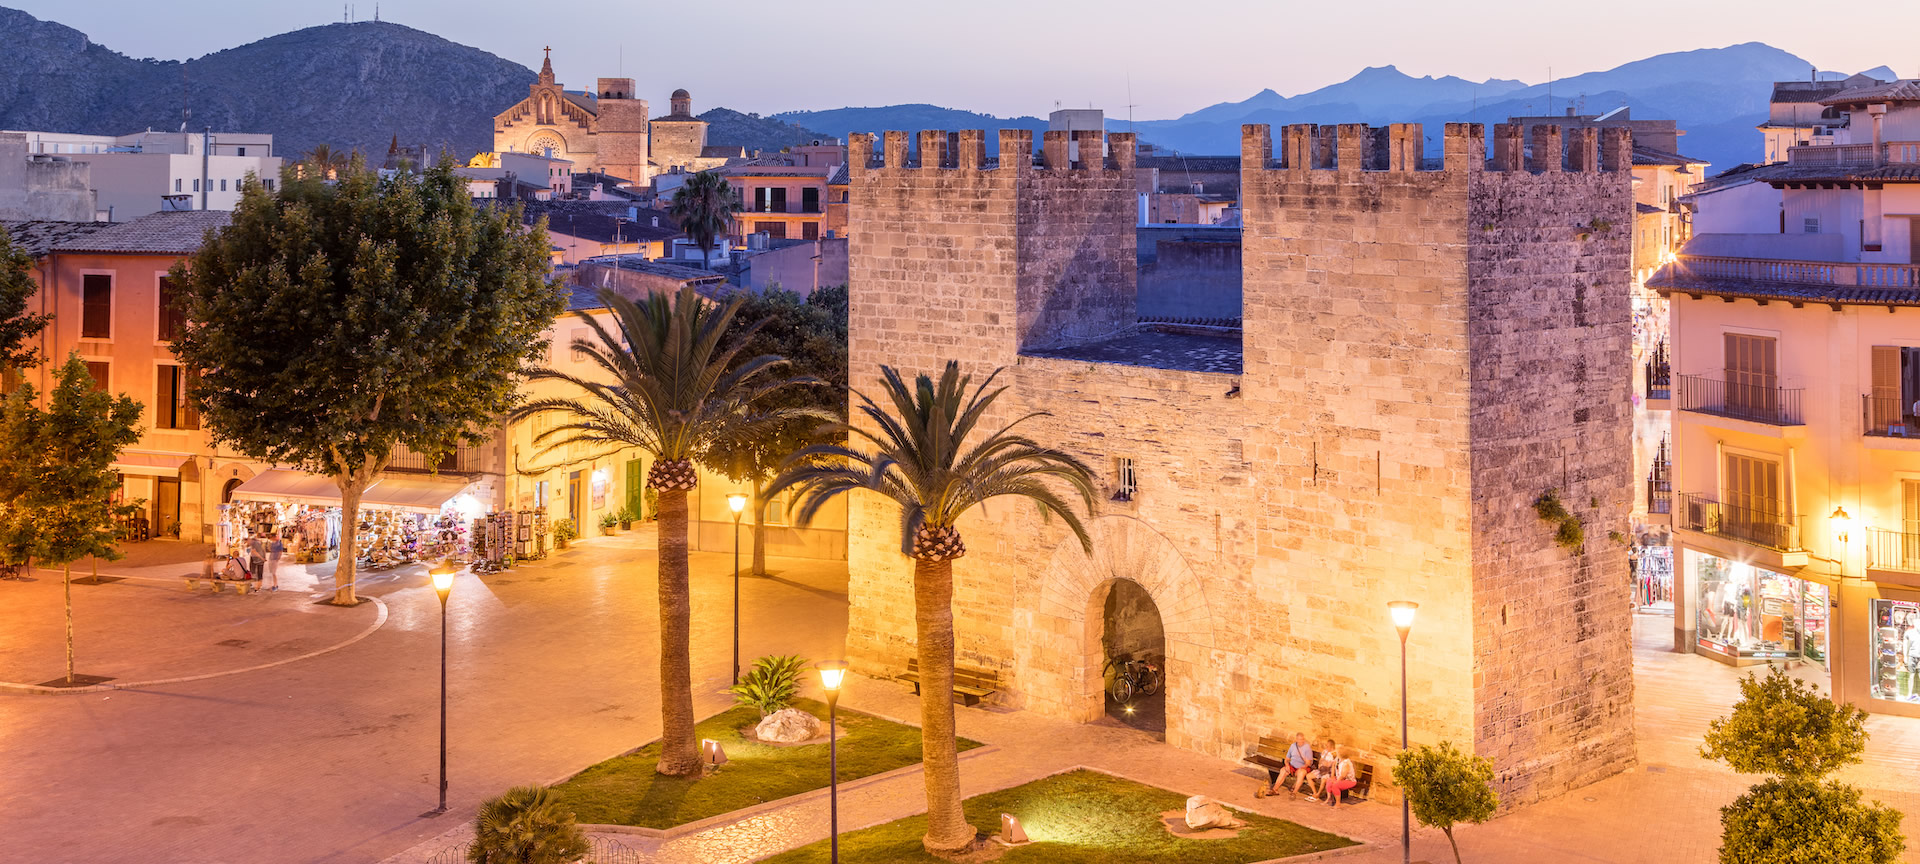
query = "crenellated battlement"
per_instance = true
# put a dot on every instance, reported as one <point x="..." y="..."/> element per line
<point x="1539" y="149"/>
<point x="965" y="150"/>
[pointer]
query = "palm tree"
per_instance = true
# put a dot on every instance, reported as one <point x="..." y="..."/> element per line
<point x="663" y="383"/>
<point x="326" y="162"/>
<point x="704" y="207"/>
<point x="526" y="825"/>
<point x="922" y="459"/>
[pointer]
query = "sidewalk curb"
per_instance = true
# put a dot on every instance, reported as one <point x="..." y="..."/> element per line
<point x="379" y="620"/>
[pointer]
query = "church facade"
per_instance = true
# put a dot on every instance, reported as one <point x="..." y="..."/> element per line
<point x="605" y="130"/>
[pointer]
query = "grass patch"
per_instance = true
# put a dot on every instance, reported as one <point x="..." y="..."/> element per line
<point x="625" y="790"/>
<point x="1083" y="817"/>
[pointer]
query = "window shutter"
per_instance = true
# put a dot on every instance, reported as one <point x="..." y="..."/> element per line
<point x="1885" y="408"/>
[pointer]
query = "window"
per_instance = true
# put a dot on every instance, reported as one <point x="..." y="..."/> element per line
<point x="1810" y="225"/>
<point x="223" y="185"/>
<point x="775" y="230"/>
<point x="268" y="184"/>
<point x="172" y="406"/>
<point x="171" y="321"/>
<point x="1895" y="650"/>
<point x="196" y="184"/>
<point x="580" y="334"/>
<point x="96" y="306"/>
<point x="1752" y="375"/>
<point x="176" y="184"/>
<point x="243" y="151"/>
<point x="809" y="230"/>
<point x="100" y="372"/>
<point x="810" y="200"/>
<point x="777" y="509"/>
<point x="9" y="379"/>
<point x="1125" y="484"/>
<point x="1752" y="485"/>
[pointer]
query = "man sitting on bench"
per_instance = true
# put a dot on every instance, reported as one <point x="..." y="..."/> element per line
<point x="1299" y="764"/>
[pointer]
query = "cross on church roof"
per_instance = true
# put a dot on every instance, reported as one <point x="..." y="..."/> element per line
<point x="549" y="50"/>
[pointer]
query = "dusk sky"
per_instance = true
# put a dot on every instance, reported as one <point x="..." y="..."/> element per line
<point x="1012" y="58"/>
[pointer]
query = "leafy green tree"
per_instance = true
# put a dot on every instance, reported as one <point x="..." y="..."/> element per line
<point x="1445" y="787"/>
<point x="1783" y="726"/>
<point x="927" y="459"/>
<point x="336" y="321"/>
<point x="1799" y="820"/>
<point x="17" y="326"/>
<point x="56" y="473"/>
<point x="704" y="207"/>
<point x="526" y="825"/>
<point x="812" y="334"/>
<point x="665" y="383"/>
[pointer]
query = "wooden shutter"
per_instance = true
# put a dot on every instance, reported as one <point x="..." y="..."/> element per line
<point x="1910" y="506"/>
<point x="1751" y="373"/>
<point x="1753" y="484"/>
<point x="1913" y="241"/>
<point x="1884" y="405"/>
<point x="165" y="396"/>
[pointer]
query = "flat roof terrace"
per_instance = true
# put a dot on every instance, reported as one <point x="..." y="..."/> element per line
<point x="1159" y="347"/>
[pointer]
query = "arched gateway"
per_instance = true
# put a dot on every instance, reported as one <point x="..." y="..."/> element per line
<point x="1059" y="631"/>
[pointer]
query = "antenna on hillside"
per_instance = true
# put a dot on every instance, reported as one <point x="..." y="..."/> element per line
<point x="1549" y="89"/>
<point x="376" y="13"/>
<point x="1129" y="103"/>
<point x="343" y="13"/>
<point x="186" y="96"/>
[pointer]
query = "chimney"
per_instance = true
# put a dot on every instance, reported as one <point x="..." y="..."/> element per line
<point x="1877" y="111"/>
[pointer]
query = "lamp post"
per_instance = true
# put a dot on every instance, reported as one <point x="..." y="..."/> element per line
<point x="737" y="502"/>
<point x="832" y="673"/>
<point x="442" y="574"/>
<point x="1403" y="621"/>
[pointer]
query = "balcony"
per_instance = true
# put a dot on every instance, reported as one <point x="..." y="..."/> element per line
<point x="462" y="459"/>
<point x="1888" y="417"/>
<point x="1783" y="272"/>
<point x="1893" y="551"/>
<point x="1660" y="482"/>
<point x="1774" y="406"/>
<point x="1853" y="155"/>
<point x="1659" y="375"/>
<point x="1750" y="526"/>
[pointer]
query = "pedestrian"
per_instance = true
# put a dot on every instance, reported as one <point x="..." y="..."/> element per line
<point x="257" y="555"/>
<point x="275" y="549"/>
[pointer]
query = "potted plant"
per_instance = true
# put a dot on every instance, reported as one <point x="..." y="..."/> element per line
<point x="626" y="518"/>
<point x="607" y="521"/>
<point x="563" y="531"/>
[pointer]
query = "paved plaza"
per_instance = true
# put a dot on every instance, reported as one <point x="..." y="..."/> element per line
<point x="331" y="757"/>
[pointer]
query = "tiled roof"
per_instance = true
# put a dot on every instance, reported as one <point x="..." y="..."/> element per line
<point x="1644" y="155"/>
<point x="1784" y="172"/>
<point x="37" y="237"/>
<point x="167" y="232"/>
<point x="1786" y="92"/>
<point x="603" y="227"/>
<point x="841" y="176"/>
<point x="1669" y="281"/>
<point x="1647" y="209"/>
<point x="1896" y="91"/>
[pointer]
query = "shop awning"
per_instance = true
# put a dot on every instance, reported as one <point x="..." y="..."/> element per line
<point x="149" y="464"/>
<point x="415" y="494"/>
<point x="280" y="484"/>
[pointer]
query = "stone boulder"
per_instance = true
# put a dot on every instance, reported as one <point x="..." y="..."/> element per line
<point x="1204" y="812"/>
<point x="787" y="726"/>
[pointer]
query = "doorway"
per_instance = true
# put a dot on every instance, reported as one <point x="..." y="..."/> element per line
<point x="1133" y="642"/>
<point x="226" y="491"/>
<point x="574" y="502"/>
<point x="166" y="507"/>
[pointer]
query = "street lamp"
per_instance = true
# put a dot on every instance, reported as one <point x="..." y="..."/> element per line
<point x="442" y="574"/>
<point x="1403" y="621"/>
<point x="737" y="502"/>
<point x="832" y="673"/>
<point x="1841" y="522"/>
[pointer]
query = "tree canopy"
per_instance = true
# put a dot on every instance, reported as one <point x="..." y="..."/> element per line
<point x="17" y="326"/>
<point x="1446" y="786"/>
<point x="1783" y="726"/>
<point x="704" y="207"/>
<point x="337" y="320"/>
<point x="1804" y="821"/>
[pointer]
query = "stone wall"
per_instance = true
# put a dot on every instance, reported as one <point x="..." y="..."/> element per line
<point x="620" y="139"/>
<point x="678" y="142"/>
<point x="1550" y="333"/>
<point x="44" y="187"/>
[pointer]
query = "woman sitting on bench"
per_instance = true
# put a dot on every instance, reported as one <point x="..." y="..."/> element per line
<point x="1325" y="760"/>
<point x="224" y="567"/>
<point x="1340" y="780"/>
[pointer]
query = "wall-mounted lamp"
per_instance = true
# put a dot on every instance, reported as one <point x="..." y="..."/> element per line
<point x="1841" y="523"/>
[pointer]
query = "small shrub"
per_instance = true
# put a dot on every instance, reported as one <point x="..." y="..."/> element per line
<point x="651" y="500"/>
<point x="1784" y="727"/>
<point x="626" y="516"/>
<point x="771" y="684"/>
<point x="1796" y="820"/>
<point x="563" y="531"/>
<point x="527" y="825"/>
<point x="1568" y="532"/>
<point x="1445" y="787"/>
<point x="607" y="521"/>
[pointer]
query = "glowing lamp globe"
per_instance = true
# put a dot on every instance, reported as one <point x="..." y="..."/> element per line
<point x="1402" y="611"/>
<point x="832" y="673"/>
<point x="737" y="502"/>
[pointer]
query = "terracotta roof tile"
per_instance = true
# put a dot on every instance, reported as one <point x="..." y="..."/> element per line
<point x="178" y="232"/>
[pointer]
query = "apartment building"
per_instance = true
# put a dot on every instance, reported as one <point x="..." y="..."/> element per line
<point x="136" y="174"/>
<point x="1795" y="458"/>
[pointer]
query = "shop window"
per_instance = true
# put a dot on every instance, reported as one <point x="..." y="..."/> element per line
<point x="96" y="306"/>
<point x="172" y="406"/>
<point x="1896" y="650"/>
<point x="171" y="321"/>
<point x="1746" y="614"/>
<point x="100" y="372"/>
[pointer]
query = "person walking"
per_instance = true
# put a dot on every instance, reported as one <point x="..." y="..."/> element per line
<point x="257" y="556"/>
<point x="275" y="549"/>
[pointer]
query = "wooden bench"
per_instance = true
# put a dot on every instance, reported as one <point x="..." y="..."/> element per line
<point x="969" y="685"/>
<point x="1271" y="754"/>
<point x="240" y="585"/>
<point x="1363" y="783"/>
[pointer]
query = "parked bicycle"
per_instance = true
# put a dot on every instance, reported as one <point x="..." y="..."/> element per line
<point x="1127" y="676"/>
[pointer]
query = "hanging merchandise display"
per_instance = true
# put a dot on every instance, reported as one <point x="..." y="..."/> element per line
<point x="1653" y="578"/>
<point x="1896" y="650"/>
<point x="1749" y="615"/>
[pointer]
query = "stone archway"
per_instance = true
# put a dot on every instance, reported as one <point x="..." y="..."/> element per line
<point x="1059" y="625"/>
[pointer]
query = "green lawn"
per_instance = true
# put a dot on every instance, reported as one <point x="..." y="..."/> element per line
<point x="625" y="790"/>
<point x="1082" y="817"/>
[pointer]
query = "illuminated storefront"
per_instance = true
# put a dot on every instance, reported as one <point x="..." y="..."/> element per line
<point x="1895" y="651"/>
<point x="1745" y="614"/>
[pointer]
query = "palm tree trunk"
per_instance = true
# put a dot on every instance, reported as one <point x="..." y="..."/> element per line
<point x="679" y="754"/>
<point x="343" y="570"/>
<point x="66" y="579"/>
<point x="947" y="828"/>
<point x="759" y="529"/>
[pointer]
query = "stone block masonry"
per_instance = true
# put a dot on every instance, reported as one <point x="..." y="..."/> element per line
<point x="1424" y="352"/>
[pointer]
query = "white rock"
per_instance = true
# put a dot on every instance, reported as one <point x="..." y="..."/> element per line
<point x="787" y="726"/>
<point x="1204" y="812"/>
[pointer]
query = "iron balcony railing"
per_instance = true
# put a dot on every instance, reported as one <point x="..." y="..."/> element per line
<point x="1660" y="482"/>
<point x="1893" y="550"/>
<point x="1659" y="374"/>
<point x="1778" y="406"/>
<point x="461" y="459"/>
<point x="1711" y="267"/>
<point x="1760" y="526"/>
<point x="1888" y="417"/>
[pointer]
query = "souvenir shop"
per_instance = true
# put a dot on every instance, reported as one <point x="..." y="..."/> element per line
<point x="402" y="519"/>
<point x="1747" y="615"/>
<point x="1894" y="650"/>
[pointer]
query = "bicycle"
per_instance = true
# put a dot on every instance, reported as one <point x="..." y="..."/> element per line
<point x="1129" y="676"/>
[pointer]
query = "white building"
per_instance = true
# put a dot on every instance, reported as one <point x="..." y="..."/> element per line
<point x="140" y="173"/>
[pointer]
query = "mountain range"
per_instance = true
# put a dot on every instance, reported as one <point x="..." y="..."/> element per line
<point x="361" y="85"/>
